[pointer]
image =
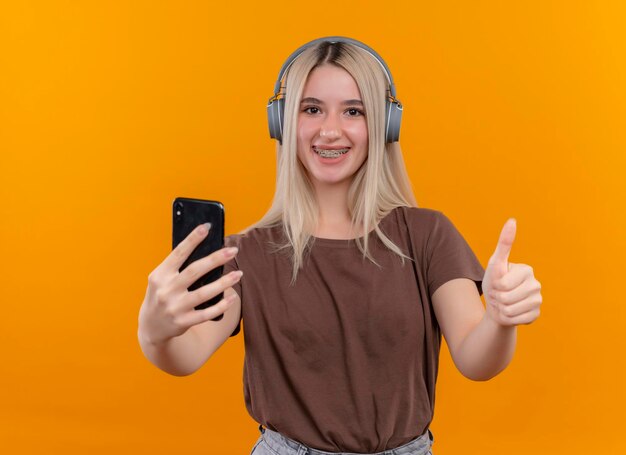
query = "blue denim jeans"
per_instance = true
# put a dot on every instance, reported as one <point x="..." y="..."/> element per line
<point x="273" y="443"/>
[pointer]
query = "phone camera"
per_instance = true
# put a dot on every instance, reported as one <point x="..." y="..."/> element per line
<point x="178" y="210"/>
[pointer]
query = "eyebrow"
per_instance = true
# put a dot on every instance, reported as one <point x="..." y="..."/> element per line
<point x="345" y="103"/>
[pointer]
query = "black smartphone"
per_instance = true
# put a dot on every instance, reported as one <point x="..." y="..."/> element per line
<point x="187" y="215"/>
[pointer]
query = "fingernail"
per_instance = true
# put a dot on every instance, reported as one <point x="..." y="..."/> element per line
<point x="230" y="252"/>
<point x="203" y="229"/>
<point x="237" y="275"/>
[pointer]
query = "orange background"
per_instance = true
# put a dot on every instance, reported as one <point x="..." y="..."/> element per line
<point x="111" y="109"/>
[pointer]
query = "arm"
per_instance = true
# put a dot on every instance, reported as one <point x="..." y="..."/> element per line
<point x="173" y="335"/>
<point x="185" y="354"/>
<point x="177" y="356"/>
<point x="480" y="347"/>
<point x="482" y="341"/>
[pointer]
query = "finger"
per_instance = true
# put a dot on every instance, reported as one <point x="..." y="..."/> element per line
<point x="515" y="295"/>
<point x="199" y="268"/>
<point x="198" y="317"/>
<point x="527" y="305"/>
<point x="179" y="255"/>
<point x="208" y="291"/>
<point x="525" y="318"/>
<point x="500" y="256"/>
<point x="517" y="274"/>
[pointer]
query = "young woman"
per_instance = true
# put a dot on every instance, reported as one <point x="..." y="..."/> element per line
<point x="347" y="285"/>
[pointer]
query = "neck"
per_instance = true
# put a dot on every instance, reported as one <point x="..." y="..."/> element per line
<point x="334" y="217"/>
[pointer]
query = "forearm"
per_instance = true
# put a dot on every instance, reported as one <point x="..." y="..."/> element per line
<point x="486" y="350"/>
<point x="178" y="356"/>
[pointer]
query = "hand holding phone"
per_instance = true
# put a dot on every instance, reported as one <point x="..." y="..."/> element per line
<point x="169" y="308"/>
<point x="186" y="215"/>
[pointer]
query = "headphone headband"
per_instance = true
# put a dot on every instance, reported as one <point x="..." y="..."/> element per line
<point x="334" y="39"/>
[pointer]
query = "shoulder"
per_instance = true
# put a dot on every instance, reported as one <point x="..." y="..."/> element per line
<point x="421" y="218"/>
<point x="419" y="213"/>
<point x="410" y="227"/>
<point x="252" y="239"/>
<point x="425" y="226"/>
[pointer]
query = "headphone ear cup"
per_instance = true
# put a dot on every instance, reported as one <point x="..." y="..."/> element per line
<point x="275" y="118"/>
<point x="393" y="117"/>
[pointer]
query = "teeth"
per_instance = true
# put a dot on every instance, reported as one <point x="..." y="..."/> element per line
<point x="329" y="153"/>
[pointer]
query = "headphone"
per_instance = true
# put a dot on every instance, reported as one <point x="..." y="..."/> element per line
<point x="276" y="104"/>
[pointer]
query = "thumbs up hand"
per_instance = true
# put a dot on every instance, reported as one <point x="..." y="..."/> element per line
<point x="512" y="293"/>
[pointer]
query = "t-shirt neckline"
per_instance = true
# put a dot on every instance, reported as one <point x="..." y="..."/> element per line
<point x="348" y="243"/>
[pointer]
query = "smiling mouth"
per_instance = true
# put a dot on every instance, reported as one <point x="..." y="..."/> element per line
<point x="327" y="153"/>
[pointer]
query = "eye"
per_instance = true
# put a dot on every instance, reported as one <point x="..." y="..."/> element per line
<point x="308" y="110"/>
<point x="355" y="112"/>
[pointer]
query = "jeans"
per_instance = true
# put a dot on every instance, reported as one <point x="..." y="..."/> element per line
<point x="273" y="443"/>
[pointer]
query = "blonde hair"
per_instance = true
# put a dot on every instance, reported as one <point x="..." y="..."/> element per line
<point x="379" y="186"/>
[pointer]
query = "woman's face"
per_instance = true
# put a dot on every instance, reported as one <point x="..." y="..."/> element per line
<point x="332" y="130"/>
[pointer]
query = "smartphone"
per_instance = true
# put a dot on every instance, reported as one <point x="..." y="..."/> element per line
<point x="187" y="214"/>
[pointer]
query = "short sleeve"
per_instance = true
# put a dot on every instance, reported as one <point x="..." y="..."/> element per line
<point x="230" y="266"/>
<point x="450" y="256"/>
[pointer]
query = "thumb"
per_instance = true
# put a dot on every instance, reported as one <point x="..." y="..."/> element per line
<point x="500" y="257"/>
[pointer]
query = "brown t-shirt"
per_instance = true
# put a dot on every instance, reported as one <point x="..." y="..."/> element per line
<point x="346" y="359"/>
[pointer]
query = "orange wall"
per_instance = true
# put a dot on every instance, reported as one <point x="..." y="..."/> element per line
<point x="110" y="109"/>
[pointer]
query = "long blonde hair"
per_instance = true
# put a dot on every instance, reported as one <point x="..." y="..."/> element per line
<point x="380" y="185"/>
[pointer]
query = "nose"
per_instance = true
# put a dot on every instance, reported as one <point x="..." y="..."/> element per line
<point x="330" y="127"/>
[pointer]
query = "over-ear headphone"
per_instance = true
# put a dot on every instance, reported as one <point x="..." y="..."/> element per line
<point x="276" y="104"/>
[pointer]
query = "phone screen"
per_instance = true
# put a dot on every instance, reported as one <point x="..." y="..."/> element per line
<point x="187" y="215"/>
